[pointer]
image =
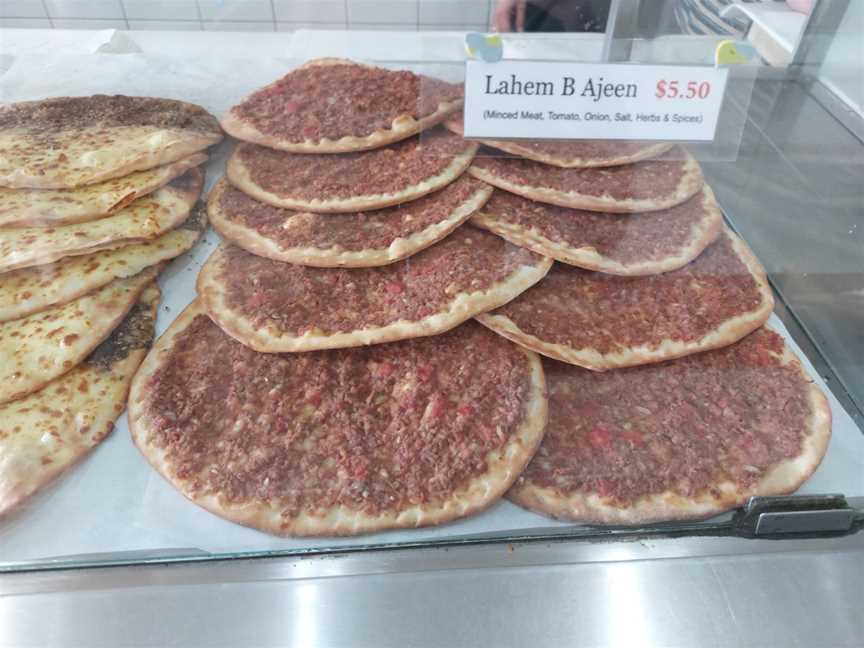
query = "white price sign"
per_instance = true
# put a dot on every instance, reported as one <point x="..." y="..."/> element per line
<point x="554" y="100"/>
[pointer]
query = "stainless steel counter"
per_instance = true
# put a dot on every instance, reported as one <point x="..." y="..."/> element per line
<point x="661" y="592"/>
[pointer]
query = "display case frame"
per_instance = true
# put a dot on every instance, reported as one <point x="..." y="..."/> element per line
<point x="771" y="85"/>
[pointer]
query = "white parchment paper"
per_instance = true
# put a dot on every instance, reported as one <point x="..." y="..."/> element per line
<point x="113" y="502"/>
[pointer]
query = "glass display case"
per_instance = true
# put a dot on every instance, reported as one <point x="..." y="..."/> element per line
<point x="403" y="319"/>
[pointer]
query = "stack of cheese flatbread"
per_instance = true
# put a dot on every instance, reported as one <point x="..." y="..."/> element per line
<point x="97" y="194"/>
<point x="329" y="378"/>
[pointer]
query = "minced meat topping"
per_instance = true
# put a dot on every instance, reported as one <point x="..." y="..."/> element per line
<point x="624" y="238"/>
<point x="385" y="170"/>
<point x="298" y="299"/>
<point x="638" y="181"/>
<point x="356" y="231"/>
<point x="374" y="429"/>
<point x="335" y="101"/>
<point x="584" y="309"/>
<point x="683" y="426"/>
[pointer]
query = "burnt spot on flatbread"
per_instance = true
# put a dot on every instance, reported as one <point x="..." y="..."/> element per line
<point x="108" y="111"/>
<point x="190" y="182"/>
<point x="136" y="331"/>
<point x="197" y="220"/>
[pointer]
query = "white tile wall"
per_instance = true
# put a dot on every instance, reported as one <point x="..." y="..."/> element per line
<point x="30" y="23"/>
<point x="161" y="9"/>
<point x="236" y="10"/>
<point x="22" y="9"/>
<point x="384" y="26"/>
<point x="310" y="11"/>
<point x="229" y="25"/>
<point x="84" y="9"/>
<point x="165" y="25"/>
<point x="248" y="15"/>
<point x="401" y="12"/>
<point x="87" y="23"/>
<point x="454" y="12"/>
<point x="478" y="27"/>
<point x="294" y="26"/>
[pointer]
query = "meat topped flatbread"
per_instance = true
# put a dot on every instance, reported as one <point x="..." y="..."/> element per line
<point x="644" y="186"/>
<point x="342" y="442"/>
<point x="573" y="154"/>
<point x="359" y="239"/>
<point x="68" y="142"/>
<point x="275" y="307"/>
<point x="52" y="207"/>
<point x="337" y="106"/>
<point x="46" y="433"/>
<point x="689" y="438"/>
<point x="602" y="321"/>
<point x="386" y="176"/>
<point x="621" y="244"/>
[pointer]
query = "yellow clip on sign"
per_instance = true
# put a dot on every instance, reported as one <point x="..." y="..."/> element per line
<point x="487" y="48"/>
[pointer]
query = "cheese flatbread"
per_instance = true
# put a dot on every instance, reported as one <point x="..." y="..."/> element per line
<point x="31" y="290"/>
<point x="48" y="432"/>
<point x="145" y="219"/>
<point x="52" y="207"/>
<point x="37" y="349"/>
<point x="68" y="142"/>
<point x="376" y="107"/>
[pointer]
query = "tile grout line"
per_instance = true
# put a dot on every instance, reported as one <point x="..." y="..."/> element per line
<point x="125" y="16"/>
<point x="273" y="15"/>
<point x="200" y="15"/>
<point x="48" y="14"/>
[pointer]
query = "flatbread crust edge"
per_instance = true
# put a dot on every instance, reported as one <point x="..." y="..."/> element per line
<point x="515" y="147"/>
<point x="38" y="215"/>
<point x="21" y="491"/>
<point x="701" y="236"/>
<point x="36" y="257"/>
<point x="117" y="307"/>
<point x="727" y="333"/>
<point x="786" y="477"/>
<point x="269" y="339"/>
<point x="184" y="237"/>
<point x="336" y="256"/>
<point x="402" y="127"/>
<point x="505" y="465"/>
<point x="238" y="175"/>
<point x="690" y="183"/>
<point x="168" y="154"/>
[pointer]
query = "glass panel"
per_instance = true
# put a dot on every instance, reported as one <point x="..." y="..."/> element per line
<point x="328" y="389"/>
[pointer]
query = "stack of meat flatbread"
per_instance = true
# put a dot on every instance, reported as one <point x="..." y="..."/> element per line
<point x="326" y="380"/>
<point x="97" y="195"/>
<point x="365" y="349"/>
<point x="699" y="405"/>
